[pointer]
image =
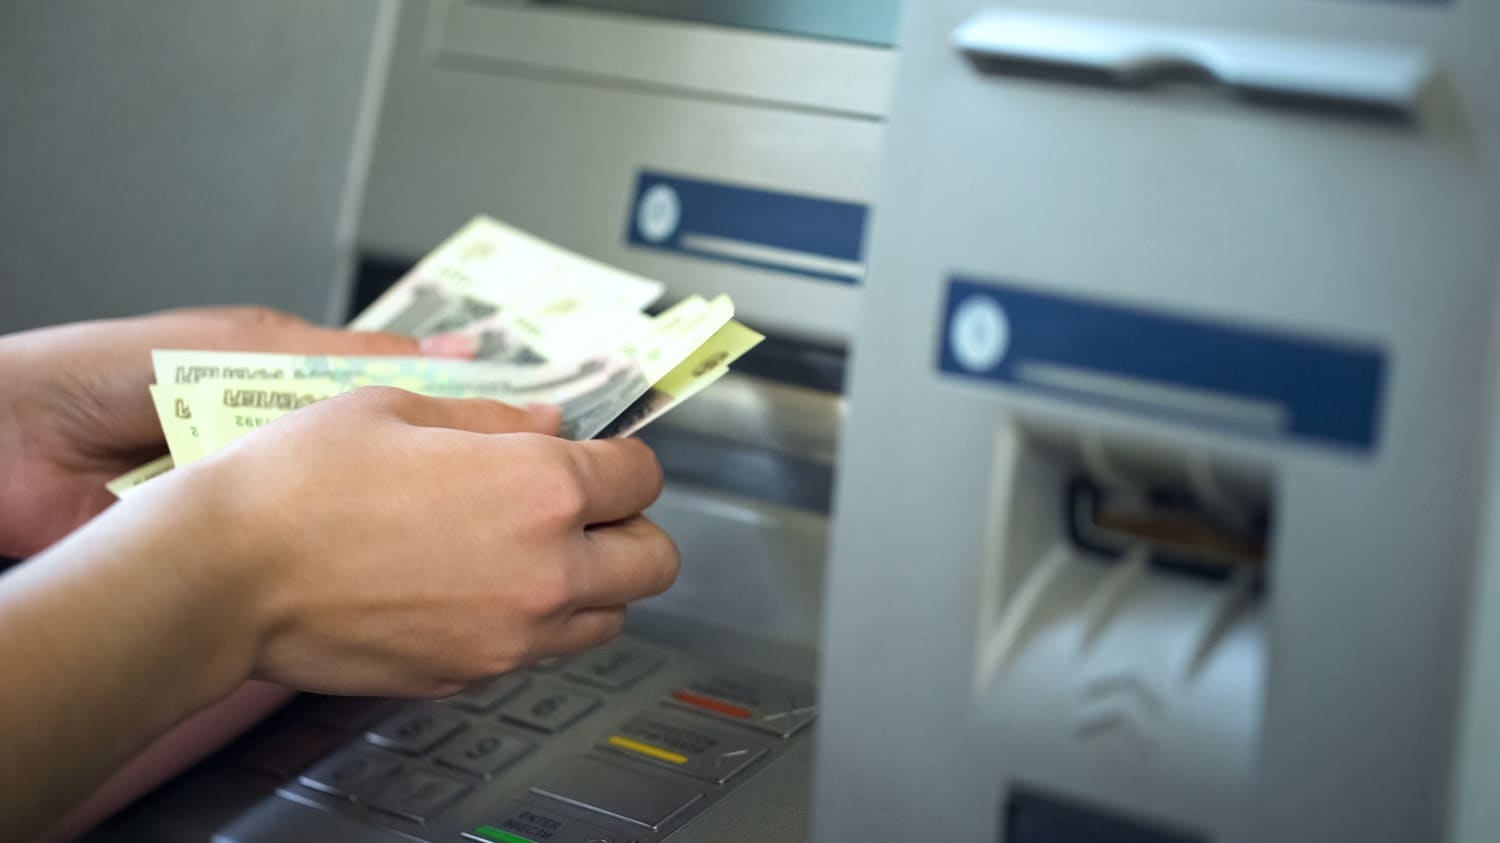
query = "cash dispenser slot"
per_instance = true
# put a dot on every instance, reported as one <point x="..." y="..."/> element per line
<point x="1173" y="526"/>
<point x="1123" y="634"/>
<point x="1095" y="497"/>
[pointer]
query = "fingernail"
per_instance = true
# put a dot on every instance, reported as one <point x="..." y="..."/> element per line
<point x="456" y="344"/>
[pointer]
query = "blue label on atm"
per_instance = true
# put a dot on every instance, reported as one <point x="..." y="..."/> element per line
<point x="786" y="232"/>
<point x="1214" y="374"/>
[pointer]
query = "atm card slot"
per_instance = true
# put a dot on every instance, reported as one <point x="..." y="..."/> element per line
<point x="1175" y="529"/>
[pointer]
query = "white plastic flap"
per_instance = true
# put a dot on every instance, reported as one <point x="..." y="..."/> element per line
<point x="1379" y="76"/>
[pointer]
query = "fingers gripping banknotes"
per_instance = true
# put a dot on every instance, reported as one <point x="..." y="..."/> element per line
<point x="547" y="326"/>
<point x="591" y="391"/>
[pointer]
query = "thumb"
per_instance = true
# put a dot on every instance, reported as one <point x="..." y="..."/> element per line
<point x="475" y="415"/>
<point x="456" y="344"/>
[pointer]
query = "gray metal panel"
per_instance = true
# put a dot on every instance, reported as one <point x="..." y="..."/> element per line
<point x="534" y="147"/>
<point x="751" y="571"/>
<point x="714" y="62"/>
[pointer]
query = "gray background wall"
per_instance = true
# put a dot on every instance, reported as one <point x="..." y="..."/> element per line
<point x="158" y="153"/>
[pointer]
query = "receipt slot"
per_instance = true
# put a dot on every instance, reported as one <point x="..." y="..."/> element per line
<point x="1159" y="504"/>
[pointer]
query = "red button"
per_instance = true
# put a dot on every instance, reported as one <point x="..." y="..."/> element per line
<point x="712" y="704"/>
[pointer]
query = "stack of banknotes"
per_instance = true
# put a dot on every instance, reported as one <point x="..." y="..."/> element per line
<point x="550" y="327"/>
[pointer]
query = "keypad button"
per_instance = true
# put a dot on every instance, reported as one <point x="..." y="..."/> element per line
<point x="416" y="729"/>
<point x="484" y="697"/>
<point x="520" y="823"/>
<point x="347" y="772"/>
<point x="618" y="793"/>
<point x="549" y="708"/>
<point x="614" y="668"/>
<point x="710" y="754"/>
<point x="774" y="706"/>
<point x="485" y="751"/>
<point x="418" y="795"/>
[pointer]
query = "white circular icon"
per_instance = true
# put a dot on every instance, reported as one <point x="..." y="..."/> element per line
<point x="658" y="214"/>
<point x="978" y="333"/>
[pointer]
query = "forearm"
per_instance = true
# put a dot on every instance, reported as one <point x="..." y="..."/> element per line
<point x="15" y="361"/>
<point x="109" y="638"/>
<point x="181" y="747"/>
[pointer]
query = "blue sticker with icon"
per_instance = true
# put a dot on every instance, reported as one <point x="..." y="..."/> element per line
<point x="810" y="236"/>
<point x="1231" y="377"/>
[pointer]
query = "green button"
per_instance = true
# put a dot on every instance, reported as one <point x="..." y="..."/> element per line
<point x="489" y="832"/>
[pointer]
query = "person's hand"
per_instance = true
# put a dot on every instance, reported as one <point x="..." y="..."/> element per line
<point x="399" y="545"/>
<point x="75" y="412"/>
<point x="378" y="543"/>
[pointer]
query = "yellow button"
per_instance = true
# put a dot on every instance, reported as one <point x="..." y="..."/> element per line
<point x="647" y="749"/>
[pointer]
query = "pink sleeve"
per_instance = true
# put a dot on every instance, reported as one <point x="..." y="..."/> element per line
<point x="189" y="742"/>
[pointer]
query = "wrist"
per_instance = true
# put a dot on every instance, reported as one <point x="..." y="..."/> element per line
<point x="198" y="544"/>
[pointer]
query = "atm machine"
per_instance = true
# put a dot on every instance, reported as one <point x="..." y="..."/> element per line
<point x="716" y="147"/>
<point x="1167" y="494"/>
<point x="1163" y="465"/>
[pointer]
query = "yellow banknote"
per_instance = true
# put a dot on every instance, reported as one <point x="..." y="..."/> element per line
<point x="176" y="419"/>
<point x="226" y="411"/>
<point x="706" y="364"/>
<point x="139" y="476"/>
<point x="486" y="268"/>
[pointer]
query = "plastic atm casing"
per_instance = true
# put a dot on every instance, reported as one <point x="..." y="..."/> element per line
<point x="992" y="666"/>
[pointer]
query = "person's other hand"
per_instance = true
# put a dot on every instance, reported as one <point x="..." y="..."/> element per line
<point x="400" y="545"/>
<point x="75" y="412"/>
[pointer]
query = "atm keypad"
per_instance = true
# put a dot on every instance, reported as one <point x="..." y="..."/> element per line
<point x="621" y="745"/>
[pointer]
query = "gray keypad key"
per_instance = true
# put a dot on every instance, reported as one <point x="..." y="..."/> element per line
<point x="620" y="794"/>
<point x="347" y="772"/>
<point x="418" y="795"/>
<point x="549" y="708"/>
<point x="509" y="820"/>
<point x="485" y="751"/>
<point x="773" y="706"/>
<point x="486" y="696"/>
<point x="614" y="668"/>
<point x="416" y="729"/>
<point x="713" y="755"/>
